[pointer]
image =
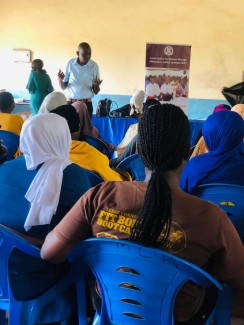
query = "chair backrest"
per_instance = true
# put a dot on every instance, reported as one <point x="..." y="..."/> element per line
<point x="138" y="284"/>
<point x="93" y="177"/>
<point x="98" y="144"/>
<point x="134" y="166"/>
<point x="11" y="141"/>
<point x="229" y="198"/>
<point x="26" y="312"/>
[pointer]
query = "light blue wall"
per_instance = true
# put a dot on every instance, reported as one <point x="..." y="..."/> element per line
<point x="198" y="109"/>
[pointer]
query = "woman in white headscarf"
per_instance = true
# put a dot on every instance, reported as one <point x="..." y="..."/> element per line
<point x="52" y="101"/>
<point x="36" y="191"/>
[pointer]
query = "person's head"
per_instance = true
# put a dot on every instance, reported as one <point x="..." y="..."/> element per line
<point x="45" y="142"/>
<point x="37" y="65"/>
<point x="72" y="117"/>
<point x="223" y="131"/>
<point x="221" y="107"/>
<point x="152" y="79"/>
<point x="183" y="82"/>
<point x="167" y="79"/>
<point x="136" y="101"/>
<point x="85" y="120"/>
<point x="43" y="137"/>
<point x="84" y="53"/>
<point x="239" y="108"/>
<point x="52" y="101"/>
<point x="164" y="142"/>
<point x="6" y="102"/>
<point x="150" y="102"/>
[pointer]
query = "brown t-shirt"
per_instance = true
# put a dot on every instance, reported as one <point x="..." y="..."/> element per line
<point x="200" y="232"/>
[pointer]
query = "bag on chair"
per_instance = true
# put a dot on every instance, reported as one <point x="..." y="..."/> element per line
<point x="103" y="107"/>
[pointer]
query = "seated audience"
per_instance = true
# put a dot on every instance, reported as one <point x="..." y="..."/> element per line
<point x="223" y="134"/>
<point x="52" y="101"/>
<point x="81" y="153"/>
<point x="157" y="214"/>
<point x="200" y="146"/>
<point x="134" y="109"/>
<point x="86" y="123"/>
<point x="9" y="122"/>
<point x="37" y="190"/>
<point x="128" y="146"/>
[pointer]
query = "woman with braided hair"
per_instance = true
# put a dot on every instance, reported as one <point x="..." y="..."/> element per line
<point x="159" y="214"/>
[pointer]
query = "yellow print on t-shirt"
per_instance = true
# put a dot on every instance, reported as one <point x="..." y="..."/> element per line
<point x="116" y="220"/>
<point x="177" y="239"/>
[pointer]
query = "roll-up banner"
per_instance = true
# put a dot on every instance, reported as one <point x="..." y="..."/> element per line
<point x="167" y="73"/>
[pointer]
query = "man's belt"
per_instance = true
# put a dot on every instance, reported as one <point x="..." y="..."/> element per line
<point x="72" y="100"/>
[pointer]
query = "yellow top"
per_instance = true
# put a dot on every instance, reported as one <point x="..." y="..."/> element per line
<point x="88" y="157"/>
<point x="11" y="122"/>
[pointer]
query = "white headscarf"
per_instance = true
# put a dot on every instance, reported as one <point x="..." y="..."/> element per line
<point x="52" y="101"/>
<point x="137" y="100"/>
<point x="45" y="139"/>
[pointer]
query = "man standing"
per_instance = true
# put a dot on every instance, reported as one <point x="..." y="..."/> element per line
<point x="81" y="79"/>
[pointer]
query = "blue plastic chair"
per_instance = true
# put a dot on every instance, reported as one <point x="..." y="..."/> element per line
<point x="134" y="166"/>
<point x="98" y="144"/>
<point x="11" y="141"/>
<point x="229" y="198"/>
<point x="25" y="312"/>
<point x="138" y="284"/>
<point x="93" y="177"/>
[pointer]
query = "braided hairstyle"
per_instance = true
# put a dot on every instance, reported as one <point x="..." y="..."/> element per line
<point x="164" y="141"/>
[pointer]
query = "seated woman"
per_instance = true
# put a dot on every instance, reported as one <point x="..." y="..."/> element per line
<point x="200" y="147"/>
<point x="9" y="122"/>
<point x="128" y="146"/>
<point x="157" y="214"/>
<point x="52" y="101"/>
<point x="84" y="155"/>
<point x="134" y="109"/>
<point x="223" y="134"/>
<point x="86" y="123"/>
<point x="37" y="190"/>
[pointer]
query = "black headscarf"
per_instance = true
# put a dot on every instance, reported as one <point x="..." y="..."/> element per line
<point x="72" y="118"/>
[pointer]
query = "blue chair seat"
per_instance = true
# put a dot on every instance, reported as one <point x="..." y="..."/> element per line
<point x="134" y="166"/>
<point x="98" y="144"/>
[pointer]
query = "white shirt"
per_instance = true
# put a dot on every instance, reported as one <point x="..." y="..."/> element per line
<point x="167" y="89"/>
<point x="152" y="90"/>
<point x="80" y="78"/>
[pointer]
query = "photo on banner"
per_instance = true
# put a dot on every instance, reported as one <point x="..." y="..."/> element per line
<point x="167" y="73"/>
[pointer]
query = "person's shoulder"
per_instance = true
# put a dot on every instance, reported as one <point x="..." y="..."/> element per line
<point x="92" y="63"/>
<point x="17" y="163"/>
<point x="199" y="206"/>
<point x="72" y="61"/>
<point x="115" y="188"/>
<point x="17" y="117"/>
